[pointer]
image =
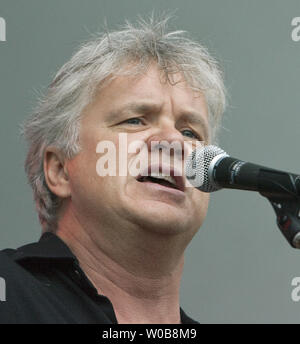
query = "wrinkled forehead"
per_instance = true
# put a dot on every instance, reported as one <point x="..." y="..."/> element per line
<point x="153" y="81"/>
<point x="149" y="91"/>
<point x="134" y="72"/>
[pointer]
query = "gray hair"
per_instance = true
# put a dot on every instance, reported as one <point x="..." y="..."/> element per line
<point x="56" y="119"/>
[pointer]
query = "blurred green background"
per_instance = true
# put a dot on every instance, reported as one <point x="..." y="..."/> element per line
<point x="239" y="267"/>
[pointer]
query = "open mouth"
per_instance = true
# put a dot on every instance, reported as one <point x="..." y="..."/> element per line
<point x="169" y="180"/>
<point x="160" y="181"/>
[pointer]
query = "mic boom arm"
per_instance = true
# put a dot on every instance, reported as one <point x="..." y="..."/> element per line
<point x="288" y="219"/>
<point x="286" y="203"/>
<point x="282" y="189"/>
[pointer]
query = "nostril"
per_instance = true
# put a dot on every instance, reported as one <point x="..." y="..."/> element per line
<point x="160" y="147"/>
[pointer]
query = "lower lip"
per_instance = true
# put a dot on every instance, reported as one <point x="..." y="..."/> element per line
<point x="159" y="187"/>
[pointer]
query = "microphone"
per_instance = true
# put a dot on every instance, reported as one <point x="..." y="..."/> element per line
<point x="209" y="168"/>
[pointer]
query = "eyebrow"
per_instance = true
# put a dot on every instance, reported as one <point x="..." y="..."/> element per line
<point x="142" y="108"/>
<point x="191" y="117"/>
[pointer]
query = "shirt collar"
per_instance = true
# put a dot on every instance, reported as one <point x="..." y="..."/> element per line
<point x="49" y="247"/>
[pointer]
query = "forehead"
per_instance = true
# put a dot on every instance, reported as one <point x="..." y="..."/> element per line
<point x="151" y="91"/>
<point x="154" y="84"/>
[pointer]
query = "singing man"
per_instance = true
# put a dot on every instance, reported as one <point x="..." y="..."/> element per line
<point x="112" y="246"/>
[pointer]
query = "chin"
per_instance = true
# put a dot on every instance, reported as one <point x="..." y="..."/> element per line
<point x="165" y="222"/>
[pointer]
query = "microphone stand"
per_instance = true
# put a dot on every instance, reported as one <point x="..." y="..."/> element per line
<point x="285" y="200"/>
<point x="288" y="218"/>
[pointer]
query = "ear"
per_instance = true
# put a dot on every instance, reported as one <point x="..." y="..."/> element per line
<point x="56" y="173"/>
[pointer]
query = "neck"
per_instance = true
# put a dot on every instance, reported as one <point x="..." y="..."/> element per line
<point x="139" y="272"/>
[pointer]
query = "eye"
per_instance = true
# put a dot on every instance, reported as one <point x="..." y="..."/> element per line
<point x="190" y="133"/>
<point x="134" y="120"/>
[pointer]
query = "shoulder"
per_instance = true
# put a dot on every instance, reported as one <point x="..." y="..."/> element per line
<point x="12" y="286"/>
<point x="25" y="274"/>
<point x="185" y="319"/>
<point x="18" y="287"/>
<point x="10" y="262"/>
<point x="13" y="273"/>
<point x="7" y="262"/>
<point x="7" y="266"/>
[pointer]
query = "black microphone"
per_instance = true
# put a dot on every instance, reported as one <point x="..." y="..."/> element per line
<point x="209" y="169"/>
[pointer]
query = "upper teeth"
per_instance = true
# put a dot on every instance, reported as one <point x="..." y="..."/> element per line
<point x="159" y="175"/>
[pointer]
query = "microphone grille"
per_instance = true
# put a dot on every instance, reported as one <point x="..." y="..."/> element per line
<point x="197" y="167"/>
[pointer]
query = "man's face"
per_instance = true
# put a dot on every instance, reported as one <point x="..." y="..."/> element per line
<point x="148" y="110"/>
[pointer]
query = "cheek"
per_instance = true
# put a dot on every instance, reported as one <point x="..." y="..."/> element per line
<point x="200" y="201"/>
<point x="82" y="168"/>
<point x="206" y="202"/>
<point x="83" y="177"/>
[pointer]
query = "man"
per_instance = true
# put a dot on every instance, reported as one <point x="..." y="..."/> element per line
<point x="112" y="248"/>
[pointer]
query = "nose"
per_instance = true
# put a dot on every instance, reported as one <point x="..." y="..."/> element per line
<point x="166" y="139"/>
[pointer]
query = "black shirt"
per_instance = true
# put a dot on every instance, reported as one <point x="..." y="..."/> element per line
<point x="45" y="284"/>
